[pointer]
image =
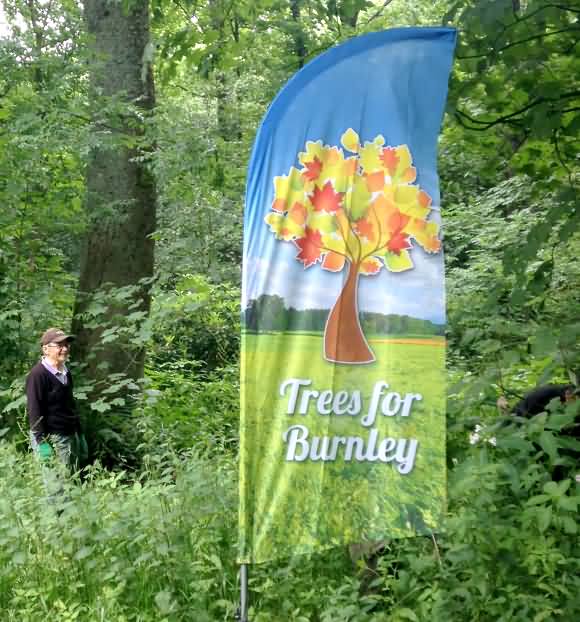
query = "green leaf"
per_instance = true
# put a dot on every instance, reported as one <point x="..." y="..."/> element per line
<point x="100" y="406"/>
<point x="15" y="404"/>
<point x="548" y="444"/>
<point x="19" y="558"/>
<point x="544" y="516"/>
<point x="83" y="553"/>
<point x="163" y="601"/>
<point x="537" y="499"/>
<point x="569" y="504"/>
<point x="570" y="524"/>
<point x="406" y="614"/>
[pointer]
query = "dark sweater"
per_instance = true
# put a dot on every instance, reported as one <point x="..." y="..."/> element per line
<point x="537" y="400"/>
<point x="50" y="404"/>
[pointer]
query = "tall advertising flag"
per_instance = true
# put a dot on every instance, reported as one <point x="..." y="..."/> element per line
<point x="343" y="308"/>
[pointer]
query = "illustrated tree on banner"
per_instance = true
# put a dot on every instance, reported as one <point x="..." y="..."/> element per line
<point x="360" y="212"/>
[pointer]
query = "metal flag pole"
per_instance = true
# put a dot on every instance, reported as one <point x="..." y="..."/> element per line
<point x="242" y="612"/>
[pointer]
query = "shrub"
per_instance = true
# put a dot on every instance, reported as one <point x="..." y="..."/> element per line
<point x="182" y="408"/>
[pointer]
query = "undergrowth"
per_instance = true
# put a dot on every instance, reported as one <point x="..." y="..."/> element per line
<point x="159" y="545"/>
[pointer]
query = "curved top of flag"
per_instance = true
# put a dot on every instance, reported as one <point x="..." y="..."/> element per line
<point x="362" y="61"/>
<point x="349" y="50"/>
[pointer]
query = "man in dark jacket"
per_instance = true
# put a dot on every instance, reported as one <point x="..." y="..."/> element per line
<point x="537" y="400"/>
<point x="55" y="427"/>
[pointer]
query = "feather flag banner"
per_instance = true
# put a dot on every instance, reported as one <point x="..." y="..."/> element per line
<point x="342" y="432"/>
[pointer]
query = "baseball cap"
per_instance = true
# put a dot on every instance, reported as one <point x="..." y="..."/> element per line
<point x="55" y="335"/>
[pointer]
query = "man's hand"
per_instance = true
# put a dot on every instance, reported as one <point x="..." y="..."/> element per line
<point x="45" y="451"/>
<point x="502" y="405"/>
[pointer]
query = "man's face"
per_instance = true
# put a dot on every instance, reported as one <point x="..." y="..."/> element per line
<point x="57" y="353"/>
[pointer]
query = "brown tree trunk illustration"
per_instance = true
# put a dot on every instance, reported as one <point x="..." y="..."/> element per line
<point x="344" y="340"/>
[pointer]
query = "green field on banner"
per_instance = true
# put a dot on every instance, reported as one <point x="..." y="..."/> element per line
<point x="303" y="501"/>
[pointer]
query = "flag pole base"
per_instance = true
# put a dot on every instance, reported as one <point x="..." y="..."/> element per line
<point x="242" y="612"/>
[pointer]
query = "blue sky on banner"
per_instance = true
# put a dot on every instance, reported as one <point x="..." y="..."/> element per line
<point x="392" y="83"/>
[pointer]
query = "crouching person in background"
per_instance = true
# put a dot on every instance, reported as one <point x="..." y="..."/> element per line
<point x="537" y="401"/>
<point x="55" y="427"/>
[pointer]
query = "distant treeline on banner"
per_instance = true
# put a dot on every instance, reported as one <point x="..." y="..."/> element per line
<point x="270" y="313"/>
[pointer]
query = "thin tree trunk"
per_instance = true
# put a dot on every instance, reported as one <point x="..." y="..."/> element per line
<point x="344" y="340"/>
<point x="121" y="193"/>
<point x="37" y="30"/>
<point x="227" y="109"/>
<point x="298" y="34"/>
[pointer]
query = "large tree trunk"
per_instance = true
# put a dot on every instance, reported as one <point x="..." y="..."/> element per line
<point x="344" y="341"/>
<point x="121" y="194"/>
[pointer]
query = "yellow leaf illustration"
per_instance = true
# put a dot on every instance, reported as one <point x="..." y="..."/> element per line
<point x="358" y="199"/>
<point x="350" y="141"/>
<point x="288" y="191"/>
<point x="370" y="158"/>
<point x="398" y="262"/>
<point x="284" y="228"/>
<point x="313" y="150"/>
<point x="406" y="196"/>
<point x="333" y="243"/>
<point x="404" y="157"/>
<point x="322" y="221"/>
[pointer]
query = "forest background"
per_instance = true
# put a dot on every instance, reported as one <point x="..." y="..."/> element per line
<point x="126" y="127"/>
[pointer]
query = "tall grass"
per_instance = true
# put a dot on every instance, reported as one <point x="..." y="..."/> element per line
<point x="160" y="545"/>
<point x="157" y="547"/>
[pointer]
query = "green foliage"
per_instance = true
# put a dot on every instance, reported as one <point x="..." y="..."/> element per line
<point x="514" y="54"/>
<point x="41" y="186"/>
<point x="115" y="548"/>
<point x="196" y="320"/>
<point x="162" y="544"/>
<point x="513" y="298"/>
<point x="183" y="406"/>
<point x="40" y="221"/>
<point x="154" y="538"/>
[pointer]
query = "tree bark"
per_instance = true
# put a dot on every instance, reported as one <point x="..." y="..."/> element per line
<point x="121" y="194"/>
<point x="227" y="107"/>
<point x="344" y="340"/>
<point x="38" y="38"/>
<point x="298" y="34"/>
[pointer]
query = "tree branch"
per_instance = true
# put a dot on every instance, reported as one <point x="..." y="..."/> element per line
<point x="460" y="115"/>
<point x="563" y="8"/>
<point x="98" y="124"/>
<point x="183" y="9"/>
<point x="344" y="238"/>
<point x="355" y="234"/>
<point x="514" y="43"/>
<point x="378" y="12"/>
<point x="561" y="159"/>
<point x="379" y="237"/>
<point x="516" y="22"/>
<point x="330" y="250"/>
<point x="509" y="118"/>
